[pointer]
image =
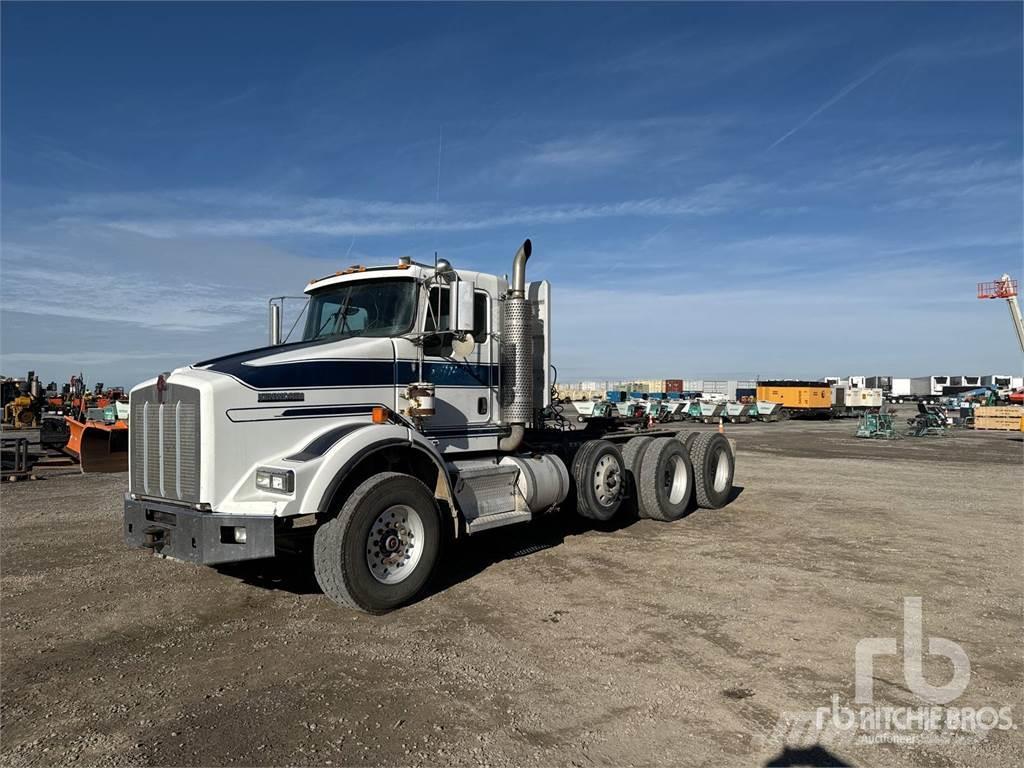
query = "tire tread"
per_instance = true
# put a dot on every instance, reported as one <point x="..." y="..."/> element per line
<point x="329" y="551"/>
<point x="698" y="457"/>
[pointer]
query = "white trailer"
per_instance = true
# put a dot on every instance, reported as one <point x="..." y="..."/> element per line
<point x="900" y="390"/>
<point x="938" y="385"/>
<point x="998" y="381"/>
<point x="415" y="409"/>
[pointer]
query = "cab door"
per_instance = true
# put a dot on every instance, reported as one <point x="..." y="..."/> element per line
<point x="463" y="385"/>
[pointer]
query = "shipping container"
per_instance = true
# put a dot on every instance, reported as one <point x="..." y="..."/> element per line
<point x="834" y="381"/>
<point x="673" y="385"/>
<point x="857" y="381"/>
<point x="879" y="382"/>
<point x="615" y="396"/>
<point x="796" y="395"/>
<point x="733" y="387"/>
<point x="997" y="381"/>
<point x="715" y="387"/>
<point x="693" y="385"/>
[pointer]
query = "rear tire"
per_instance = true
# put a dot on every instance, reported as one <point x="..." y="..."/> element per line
<point x="713" y="468"/>
<point x="600" y="479"/>
<point x="687" y="438"/>
<point x="665" y="486"/>
<point x="632" y="455"/>
<point x="381" y="549"/>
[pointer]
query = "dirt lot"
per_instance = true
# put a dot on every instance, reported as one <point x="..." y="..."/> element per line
<point x="554" y="644"/>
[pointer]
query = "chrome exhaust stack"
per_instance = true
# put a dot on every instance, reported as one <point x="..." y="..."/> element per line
<point x="517" y="355"/>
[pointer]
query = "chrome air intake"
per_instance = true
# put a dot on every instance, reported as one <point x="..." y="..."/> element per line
<point x="517" y="353"/>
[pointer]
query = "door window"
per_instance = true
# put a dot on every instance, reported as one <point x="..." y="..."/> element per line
<point x="439" y="316"/>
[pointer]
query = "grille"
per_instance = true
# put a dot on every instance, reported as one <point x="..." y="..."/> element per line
<point x="164" y="452"/>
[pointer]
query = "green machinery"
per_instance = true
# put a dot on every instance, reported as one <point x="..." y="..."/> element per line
<point x="876" y="425"/>
<point x="930" y="420"/>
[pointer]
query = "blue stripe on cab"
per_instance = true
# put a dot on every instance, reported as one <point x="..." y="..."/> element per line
<point x="305" y="374"/>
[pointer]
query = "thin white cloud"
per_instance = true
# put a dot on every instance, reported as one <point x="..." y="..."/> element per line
<point x="278" y="217"/>
<point x="839" y="96"/>
<point x="584" y="154"/>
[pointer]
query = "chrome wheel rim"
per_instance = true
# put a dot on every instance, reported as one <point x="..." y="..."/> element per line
<point x="675" y="480"/>
<point x="394" y="545"/>
<point x="721" y="469"/>
<point x="607" y="480"/>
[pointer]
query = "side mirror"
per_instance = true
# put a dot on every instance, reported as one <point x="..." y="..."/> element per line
<point x="462" y="305"/>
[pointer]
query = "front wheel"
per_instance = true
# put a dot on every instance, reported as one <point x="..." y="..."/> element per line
<point x="381" y="549"/>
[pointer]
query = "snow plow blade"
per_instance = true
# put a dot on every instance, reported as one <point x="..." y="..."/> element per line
<point x="99" y="447"/>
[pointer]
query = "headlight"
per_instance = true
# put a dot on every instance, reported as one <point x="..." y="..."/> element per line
<point x="276" y="480"/>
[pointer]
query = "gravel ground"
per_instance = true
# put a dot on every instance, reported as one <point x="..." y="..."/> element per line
<point x="640" y="643"/>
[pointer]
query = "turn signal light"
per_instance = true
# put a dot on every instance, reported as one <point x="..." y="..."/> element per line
<point x="381" y="415"/>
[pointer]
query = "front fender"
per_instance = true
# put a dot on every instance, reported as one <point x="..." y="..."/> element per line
<point x="358" y="445"/>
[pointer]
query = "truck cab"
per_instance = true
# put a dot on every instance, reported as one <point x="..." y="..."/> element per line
<point x="415" y="407"/>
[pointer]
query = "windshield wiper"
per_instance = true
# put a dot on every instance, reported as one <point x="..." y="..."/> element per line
<point x="333" y="317"/>
<point x="344" y="313"/>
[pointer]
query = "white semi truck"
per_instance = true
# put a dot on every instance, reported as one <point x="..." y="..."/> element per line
<point x="414" y="410"/>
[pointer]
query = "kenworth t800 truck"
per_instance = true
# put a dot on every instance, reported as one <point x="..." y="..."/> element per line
<point x="415" y="409"/>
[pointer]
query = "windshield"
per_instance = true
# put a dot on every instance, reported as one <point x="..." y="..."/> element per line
<point x="362" y="308"/>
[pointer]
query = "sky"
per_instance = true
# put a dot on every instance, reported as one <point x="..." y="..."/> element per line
<point x="714" y="190"/>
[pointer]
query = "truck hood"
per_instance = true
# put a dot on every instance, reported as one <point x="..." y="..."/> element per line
<point x="344" y="363"/>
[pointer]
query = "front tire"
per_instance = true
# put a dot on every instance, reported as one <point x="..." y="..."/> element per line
<point x="381" y="549"/>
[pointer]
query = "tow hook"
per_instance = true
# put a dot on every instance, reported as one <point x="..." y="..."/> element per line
<point x="155" y="538"/>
